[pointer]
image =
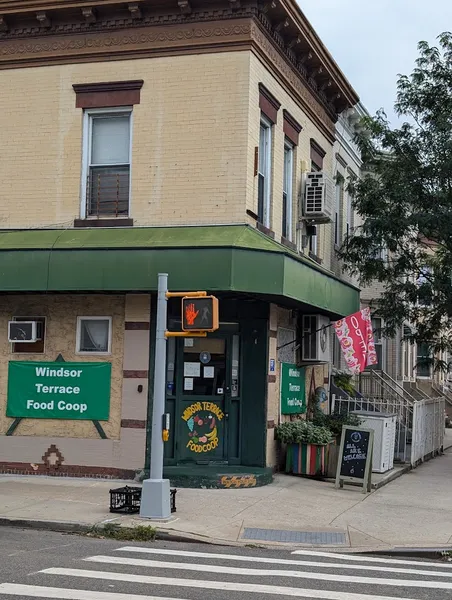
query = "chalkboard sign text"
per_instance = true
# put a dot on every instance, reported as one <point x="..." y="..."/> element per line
<point x="355" y="457"/>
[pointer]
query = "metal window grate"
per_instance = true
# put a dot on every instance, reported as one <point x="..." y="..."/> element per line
<point x="328" y="538"/>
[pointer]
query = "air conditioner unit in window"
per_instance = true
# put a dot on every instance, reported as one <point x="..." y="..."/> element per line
<point x="315" y="344"/>
<point x="24" y="331"/>
<point x="318" y="197"/>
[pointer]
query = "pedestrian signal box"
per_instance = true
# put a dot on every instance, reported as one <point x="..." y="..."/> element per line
<point x="200" y="313"/>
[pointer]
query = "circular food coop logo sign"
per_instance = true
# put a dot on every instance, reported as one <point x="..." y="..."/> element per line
<point x="202" y="420"/>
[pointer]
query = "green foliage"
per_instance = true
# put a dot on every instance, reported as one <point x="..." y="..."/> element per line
<point x="405" y="202"/>
<point x="303" y="432"/>
<point x="335" y="421"/>
<point x="140" y="533"/>
<point x="344" y="382"/>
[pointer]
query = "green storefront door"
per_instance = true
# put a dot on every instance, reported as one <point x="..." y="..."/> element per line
<point x="207" y="399"/>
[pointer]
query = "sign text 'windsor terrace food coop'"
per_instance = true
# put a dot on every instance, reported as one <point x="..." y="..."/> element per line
<point x="43" y="390"/>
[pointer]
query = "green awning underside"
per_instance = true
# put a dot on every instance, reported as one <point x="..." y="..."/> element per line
<point x="232" y="258"/>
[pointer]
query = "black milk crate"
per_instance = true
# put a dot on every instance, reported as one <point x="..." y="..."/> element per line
<point x="125" y="500"/>
<point x="128" y="500"/>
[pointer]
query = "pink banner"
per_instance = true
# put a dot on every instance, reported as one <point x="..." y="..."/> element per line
<point x="357" y="340"/>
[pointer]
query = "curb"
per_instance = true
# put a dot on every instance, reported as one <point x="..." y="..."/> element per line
<point x="189" y="538"/>
<point x="81" y="528"/>
<point x="399" y="552"/>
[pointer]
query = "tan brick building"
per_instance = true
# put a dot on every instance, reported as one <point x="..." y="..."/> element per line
<point x="161" y="136"/>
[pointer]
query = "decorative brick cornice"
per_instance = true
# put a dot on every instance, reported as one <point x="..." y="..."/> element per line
<point x="72" y="35"/>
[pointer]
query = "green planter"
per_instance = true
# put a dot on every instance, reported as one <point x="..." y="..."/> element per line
<point x="307" y="459"/>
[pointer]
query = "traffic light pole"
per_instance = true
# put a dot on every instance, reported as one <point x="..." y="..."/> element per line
<point x="155" y="496"/>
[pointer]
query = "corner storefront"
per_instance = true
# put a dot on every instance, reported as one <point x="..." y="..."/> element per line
<point x="222" y="391"/>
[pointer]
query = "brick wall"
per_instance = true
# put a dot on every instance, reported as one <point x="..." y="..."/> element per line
<point x="189" y="140"/>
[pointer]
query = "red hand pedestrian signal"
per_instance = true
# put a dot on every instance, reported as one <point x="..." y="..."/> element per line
<point x="191" y="313"/>
<point x="200" y="313"/>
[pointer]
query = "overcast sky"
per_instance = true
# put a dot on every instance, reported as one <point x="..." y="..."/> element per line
<point x="374" y="41"/>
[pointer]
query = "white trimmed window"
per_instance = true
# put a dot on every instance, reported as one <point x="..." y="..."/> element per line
<point x="377" y="326"/>
<point x="314" y="239"/>
<point x="94" y="335"/>
<point x="287" y="191"/>
<point x="349" y="215"/>
<point x="264" y="172"/>
<point x="106" y="163"/>
<point x="338" y="210"/>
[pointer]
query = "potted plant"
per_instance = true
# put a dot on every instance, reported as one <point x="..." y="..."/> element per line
<point x="307" y="447"/>
<point x="334" y="423"/>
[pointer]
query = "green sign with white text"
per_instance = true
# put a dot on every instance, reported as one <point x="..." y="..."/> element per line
<point x="59" y="390"/>
<point x="293" y="391"/>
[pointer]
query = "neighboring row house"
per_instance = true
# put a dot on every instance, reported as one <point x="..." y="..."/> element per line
<point x="145" y="137"/>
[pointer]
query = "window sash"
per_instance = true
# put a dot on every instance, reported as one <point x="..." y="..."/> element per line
<point x="106" y="183"/>
<point x="264" y="173"/>
<point x="337" y="212"/>
<point x="287" y="191"/>
<point x="313" y="239"/>
<point x="94" y="335"/>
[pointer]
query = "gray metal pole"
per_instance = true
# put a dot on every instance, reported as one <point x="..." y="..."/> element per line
<point x="155" y="497"/>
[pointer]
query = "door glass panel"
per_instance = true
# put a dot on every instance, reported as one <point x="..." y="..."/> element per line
<point x="235" y="368"/>
<point x="171" y="367"/>
<point x="204" y="369"/>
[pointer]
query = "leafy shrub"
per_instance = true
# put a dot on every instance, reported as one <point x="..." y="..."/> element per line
<point x="303" y="432"/>
<point x="335" y="421"/>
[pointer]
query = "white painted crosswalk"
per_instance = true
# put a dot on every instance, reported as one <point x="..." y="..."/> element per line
<point x="162" y="573"/>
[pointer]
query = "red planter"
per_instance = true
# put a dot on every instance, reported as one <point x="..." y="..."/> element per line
<point x="307" y="459"/>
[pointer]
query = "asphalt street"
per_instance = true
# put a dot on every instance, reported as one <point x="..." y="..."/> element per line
<point x="37" y="564"/>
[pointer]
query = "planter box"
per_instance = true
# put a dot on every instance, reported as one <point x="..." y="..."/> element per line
<point x="333" y="457"/>
<point x="307" y="459"/>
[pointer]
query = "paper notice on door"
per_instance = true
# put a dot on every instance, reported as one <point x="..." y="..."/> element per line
<point x="188" y="384"/>
<point x="189" y="342"/>
<point x="192" y="369"/>
<point x="209" y="372"/>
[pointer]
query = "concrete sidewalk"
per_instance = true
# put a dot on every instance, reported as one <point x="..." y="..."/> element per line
<point x="415" y="510"/>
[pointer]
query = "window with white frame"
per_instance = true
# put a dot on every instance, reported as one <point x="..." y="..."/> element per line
<point x="106" y="165"/>
<point x="94" y="335"/>
<point x="265" y="160"/>
<point x="349" y="215"/>
<point x="314" y="239"/>
<point x="377" y="325"/>
<point x="338" y="209"/>
<point x="287" y="191"/>
<point x="423" y="361"/>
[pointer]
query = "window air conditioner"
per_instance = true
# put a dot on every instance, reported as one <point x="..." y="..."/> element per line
<point x="24" y="331"/>
<point x="318" y="197"/>
<point x="315" y="344"/>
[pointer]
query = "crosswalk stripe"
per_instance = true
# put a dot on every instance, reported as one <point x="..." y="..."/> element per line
<point x="157" y="564"/>
<point x="217" y="585"/>
<point x="298" y="563"/>
<point x="34" y="591"/>
<point x="372" y="559"/>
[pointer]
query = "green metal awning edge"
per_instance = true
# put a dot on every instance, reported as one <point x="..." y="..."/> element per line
<point x="240" y="258"/>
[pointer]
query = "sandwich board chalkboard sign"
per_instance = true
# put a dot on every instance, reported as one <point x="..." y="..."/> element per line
<point x="355" y="457"/>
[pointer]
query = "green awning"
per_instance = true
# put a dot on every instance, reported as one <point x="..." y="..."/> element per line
<point x="235" y="258"/>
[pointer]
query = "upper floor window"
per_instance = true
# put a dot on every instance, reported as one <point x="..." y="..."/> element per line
<point x="106" y="168"/>
<point x="377" y="327"/>
<point x="287" y="191"/>
<point x="264" y="172"/>
<point x="317" y="156"/>
<point x="338" y="210"/>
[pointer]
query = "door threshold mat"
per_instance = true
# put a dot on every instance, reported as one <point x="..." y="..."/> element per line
<point x="328" y="538"/>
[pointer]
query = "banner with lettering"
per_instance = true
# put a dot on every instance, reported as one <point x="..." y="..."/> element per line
<point x="357" y="340"/>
